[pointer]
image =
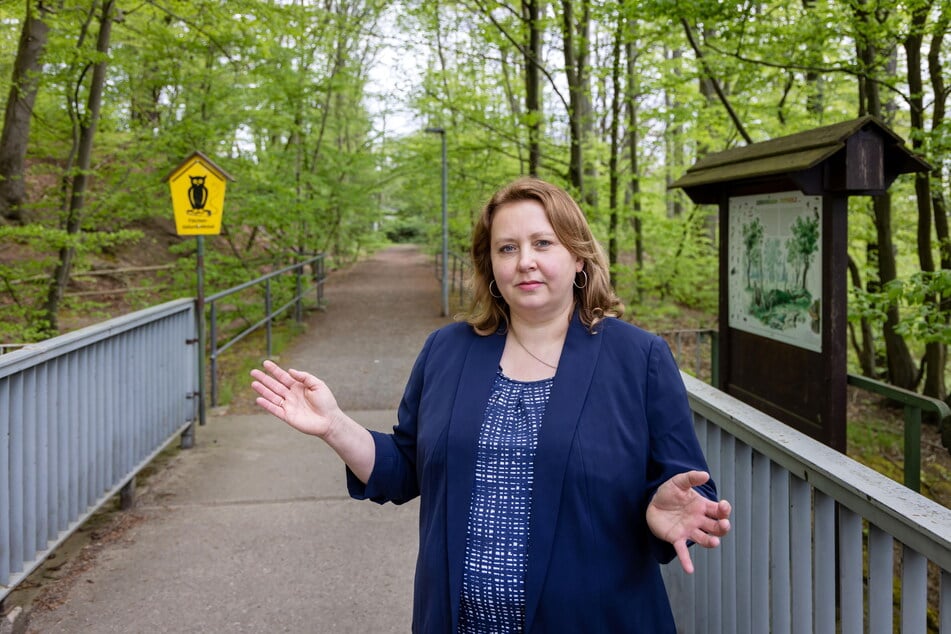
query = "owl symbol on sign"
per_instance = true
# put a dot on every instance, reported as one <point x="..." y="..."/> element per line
<point x="198" y="195"/>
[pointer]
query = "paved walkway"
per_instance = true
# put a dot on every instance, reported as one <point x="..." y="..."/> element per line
<point x="252" y="530"/>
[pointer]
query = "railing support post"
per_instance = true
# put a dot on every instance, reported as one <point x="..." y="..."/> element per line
<point x="187" y="438"/>
<point x="213" y="354"/>
<point x="298" y="306"/>
<point x="321" y="273"/>
<point x="267" y="313"/>
<point x="127" y="495"/>
<point x="913" y="403"/>
<point x="913" y="448"/>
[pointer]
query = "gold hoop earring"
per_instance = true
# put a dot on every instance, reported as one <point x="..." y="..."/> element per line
<point x="581" y="272"/>
<point x="499" y="296"/>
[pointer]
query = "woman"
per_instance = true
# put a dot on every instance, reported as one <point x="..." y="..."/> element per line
<point x="550" y="443"/>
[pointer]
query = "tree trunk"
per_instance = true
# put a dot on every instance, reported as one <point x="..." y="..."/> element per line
<point x="634" y="184"/>
<point x="864" y="348"/>
<point x="934" y="351"/>
<point x="575" y="36"/>
<point x="87" y="132"/>
<point x="533" y="96"/>
<point x="814" y="101"/>
<point x="24" y="84"/>
<point x="940" y="91"/>
<point x="714" y="83"/>
<point x="673" y="143"/>
<point x="613" y="161"/>
<point x="901" y="366"/>
<point x="939" y="208"/>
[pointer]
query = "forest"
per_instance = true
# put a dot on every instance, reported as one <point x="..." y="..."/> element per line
<point x="320" y="111"/>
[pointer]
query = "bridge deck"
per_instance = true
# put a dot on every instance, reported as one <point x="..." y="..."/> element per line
<point x="252" y="530"/>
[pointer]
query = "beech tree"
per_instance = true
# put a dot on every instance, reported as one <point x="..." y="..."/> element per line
<point x="930" y="202"/>
<point x="611" y="100"/>
<point x="75" y="178"/>
<point x="24" y="85"/>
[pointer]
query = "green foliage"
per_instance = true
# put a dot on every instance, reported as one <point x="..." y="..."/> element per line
<point x="864" y="304"/>
<point x="272" y="92"/>
<point x="923" y="319"/>
<point x="405" y="230"/>
<point x="683" y="265"/>
<point x="283" y="97"/>
<point x="43" y="239"/>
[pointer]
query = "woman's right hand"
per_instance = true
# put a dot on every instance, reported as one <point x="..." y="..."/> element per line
<point x="298" y="398"/>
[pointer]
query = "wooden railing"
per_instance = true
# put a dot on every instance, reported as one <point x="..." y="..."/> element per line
<point x="820" y="543"/>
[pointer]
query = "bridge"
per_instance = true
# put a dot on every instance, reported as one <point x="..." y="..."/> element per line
<point x="251" y="528"/>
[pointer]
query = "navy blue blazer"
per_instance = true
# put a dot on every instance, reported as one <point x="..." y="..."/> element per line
<point x="616" y="427"/>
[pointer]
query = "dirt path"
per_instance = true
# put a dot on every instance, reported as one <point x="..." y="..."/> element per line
<point x="363" y="345"/>
<point x="380" y="312"/>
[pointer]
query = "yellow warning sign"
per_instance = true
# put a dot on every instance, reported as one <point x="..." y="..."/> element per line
<point x="198" y="195"/>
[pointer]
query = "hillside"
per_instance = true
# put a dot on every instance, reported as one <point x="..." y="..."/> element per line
<point x="146" y="272"/>
<point x="121" y="279"/>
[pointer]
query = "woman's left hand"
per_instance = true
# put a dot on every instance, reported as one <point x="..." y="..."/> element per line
<point x="678" y="513"/>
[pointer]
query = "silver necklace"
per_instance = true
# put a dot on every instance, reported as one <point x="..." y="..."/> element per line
<point x="522" y="346"/>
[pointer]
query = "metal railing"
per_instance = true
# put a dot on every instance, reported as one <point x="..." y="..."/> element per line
<point x="695" y="350"/>
<point x="317" y="277"/>
<point x="914" y="404"/>
<point x="458" y="273"/>
<point x="80" y="415"/>
<point x="820" y="543"/>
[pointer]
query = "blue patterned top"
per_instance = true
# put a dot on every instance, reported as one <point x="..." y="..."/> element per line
<point x="493" y="577"/>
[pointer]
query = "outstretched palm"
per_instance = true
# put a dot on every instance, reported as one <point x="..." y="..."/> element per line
<point x="300" y="399"/>
<point x="678" y="513"/>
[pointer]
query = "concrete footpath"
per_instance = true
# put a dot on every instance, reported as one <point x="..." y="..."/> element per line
<point x="252" y="529"/>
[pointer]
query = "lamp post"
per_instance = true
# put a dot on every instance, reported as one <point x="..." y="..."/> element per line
<point x="445" y="224"/>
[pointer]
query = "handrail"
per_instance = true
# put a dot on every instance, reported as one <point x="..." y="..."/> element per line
<point x="258" y="280"/>
<point x="816" y="536"/>
<point x="457" y="273"/>
<point x="914" y="404"/>
<point x="860" y="488"/>
<point x="317" y="262"/>
<point x="80" y="415"/>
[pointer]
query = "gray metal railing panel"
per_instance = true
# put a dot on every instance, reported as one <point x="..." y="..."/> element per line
<point x="801" y="561"/>
<point x="317" y="264"/>
<point x="880" y="551"/>
<point x="80" y="415"/>
<point x="945" y="601"/>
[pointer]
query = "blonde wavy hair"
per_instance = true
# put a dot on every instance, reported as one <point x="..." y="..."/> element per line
<point x="594" y="300"/>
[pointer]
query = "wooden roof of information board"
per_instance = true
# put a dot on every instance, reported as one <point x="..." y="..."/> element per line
<point x="792" y="154"/>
